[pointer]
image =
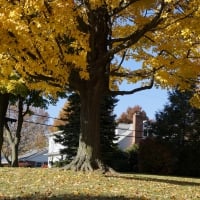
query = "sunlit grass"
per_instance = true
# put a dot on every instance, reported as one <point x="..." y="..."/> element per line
<point x="27" y="183"/>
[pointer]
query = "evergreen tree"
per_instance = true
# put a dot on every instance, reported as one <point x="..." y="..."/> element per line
<point x="70" y="125"/>
<point x="178" y="125"/>
<point x="107" y="130"/>
<point x="179" y="121"/>
<point x="70" y="115"/>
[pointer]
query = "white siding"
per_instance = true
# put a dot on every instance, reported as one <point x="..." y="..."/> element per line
<point x="124" y="131"/>
<point x="54" y="149"/>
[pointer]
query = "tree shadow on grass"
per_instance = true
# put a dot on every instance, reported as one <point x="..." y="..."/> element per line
<point x="71" y="197"/>
<point x="154" y="179"/>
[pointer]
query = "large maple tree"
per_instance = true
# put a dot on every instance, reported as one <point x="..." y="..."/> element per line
<point x="55" y="45"/>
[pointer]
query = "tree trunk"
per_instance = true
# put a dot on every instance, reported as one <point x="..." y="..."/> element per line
<point x="14" y="154"/>
<point x="88" y="155"/>
<point x="14" y="138"/>
<point x="92" y="92"/>
<point x="4" y="100"/>
<point x="17" y="137"/>
<point x="14" y="144"/>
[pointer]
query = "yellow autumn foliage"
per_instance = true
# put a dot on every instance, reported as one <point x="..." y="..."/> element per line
<point x="51" y="44"/>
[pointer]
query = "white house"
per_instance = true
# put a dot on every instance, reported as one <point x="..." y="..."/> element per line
<point x="54" y="149"/>
<point x="124" y="133"/>
<point x="128" y="134"/>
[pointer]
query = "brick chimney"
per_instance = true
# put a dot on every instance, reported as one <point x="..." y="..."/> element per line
<point x="137" y="127"/>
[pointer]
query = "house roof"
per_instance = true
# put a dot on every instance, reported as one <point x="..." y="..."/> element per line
<point x="4" y="161"/>
<point x="123" y="130"/>
<point x="35" y="156"/>
<point x="122" y="127"/>
<point x="32" y="156"/>
<point x="52" y="134"/>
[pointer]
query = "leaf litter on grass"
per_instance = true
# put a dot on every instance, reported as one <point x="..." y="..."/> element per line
<point x="23" y="183"/>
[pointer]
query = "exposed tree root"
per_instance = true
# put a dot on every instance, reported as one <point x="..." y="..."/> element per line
<point x="88" y="165"/>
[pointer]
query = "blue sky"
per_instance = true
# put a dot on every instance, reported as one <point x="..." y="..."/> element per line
<point x="150" y="100"/>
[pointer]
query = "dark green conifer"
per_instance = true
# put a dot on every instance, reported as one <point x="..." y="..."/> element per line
<point x="179" y="121"/>
<point x="71" y="128"/>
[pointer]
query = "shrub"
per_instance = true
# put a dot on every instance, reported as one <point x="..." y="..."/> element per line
<point x="133" y="158"/>
<point x="188" y="160"/>
<point x="155" y="156"/>
<point x="119" y="161"/>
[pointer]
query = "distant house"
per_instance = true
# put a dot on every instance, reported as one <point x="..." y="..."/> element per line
<point x="125" y="134"/>
<point x="54" y="149"/>
<point x="129" y="134"/>
<point x="33" y="158"/>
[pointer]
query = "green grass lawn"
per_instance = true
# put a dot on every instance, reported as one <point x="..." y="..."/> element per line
<point x="27" y="183"/>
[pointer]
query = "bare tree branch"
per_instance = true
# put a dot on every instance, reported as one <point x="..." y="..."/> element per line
<point x="120" y="64"/>
<point x="149" y="86"/>
<point x="139" y="73"/>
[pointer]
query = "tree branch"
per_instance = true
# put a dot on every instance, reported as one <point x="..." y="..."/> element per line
<point x="9" y="134"/>
<point x="6" y="157"/>
<point x="51" y="81"/>
<point x="123" y="5"/>
<point x="120" y="64"/>
<point x="138" y="73"/>
<point x="149" y="86"/>
<point x="133" y="38"/>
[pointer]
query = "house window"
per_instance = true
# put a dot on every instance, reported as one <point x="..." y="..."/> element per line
<point x="38" y="164"/>
<point x="146" y="128"/>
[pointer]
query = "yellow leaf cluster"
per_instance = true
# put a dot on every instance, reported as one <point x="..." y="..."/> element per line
<point x="52" y="39"/>
<point x="29" y="40"/>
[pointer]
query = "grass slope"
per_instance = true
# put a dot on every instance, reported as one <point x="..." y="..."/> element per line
<point x="50" y="184"/>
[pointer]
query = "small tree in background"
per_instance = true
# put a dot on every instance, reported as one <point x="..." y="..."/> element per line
<point x="13" y="133"/>
<point x="107" y="130"/>
<point x="127" y="117"/>
<point x="70" y="124"/>
<point x="155" y="157"/>
<point x="179" y="121"/>
<point x="178" y="130"/>
<point x="61" y="120"/>
<point x="32" y="134"/>
<point x="33" y="130"/>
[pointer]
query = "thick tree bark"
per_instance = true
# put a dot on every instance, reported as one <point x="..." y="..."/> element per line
<point x="88" y="155"/>
<point x="4" y="100"/>
<point x="91" y="92"/>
